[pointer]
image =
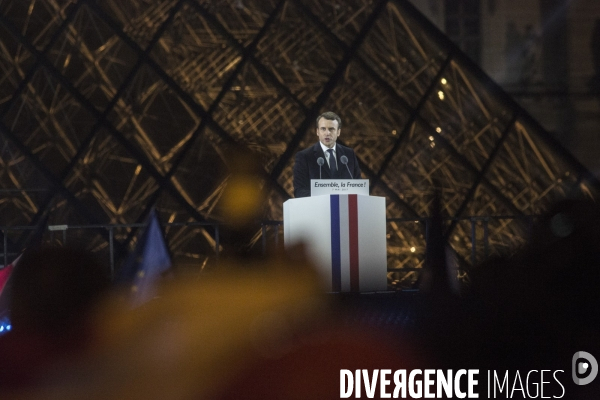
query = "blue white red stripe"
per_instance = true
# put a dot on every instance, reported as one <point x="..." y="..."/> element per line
<point x="336" y="280"/>
<point x="344" y="243"/>
<point x="353" y="235"/>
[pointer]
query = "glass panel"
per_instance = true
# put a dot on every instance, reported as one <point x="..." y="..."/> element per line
<point x="15" y="62"/>
<point x="200" y="177"/>
<point x="299" y="55"/>
<point x="423" y="166"/>
<point x="199" y="54"/>
<point x="154" y="119"/>
<point x="529" y="173"/>
<point x="49" y="120"/>
<point x="401" y="55"/>
<point x="24" y="188"/>
<point x="37" y="21"/>
<point x="461" y="110"/>
<point x="344" y="18"/>
<point x="257" y="114"/>
<point x="139" y="20"/>
<point x="110" y="182"/>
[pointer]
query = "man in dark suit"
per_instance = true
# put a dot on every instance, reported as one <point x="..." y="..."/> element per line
<point x="307" y="165"/>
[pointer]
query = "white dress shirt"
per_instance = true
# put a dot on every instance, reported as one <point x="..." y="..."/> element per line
<point x="325" y="148"/>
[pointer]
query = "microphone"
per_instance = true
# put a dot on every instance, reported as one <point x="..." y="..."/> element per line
<point x="321" y="161"/>
<point x="344" y="161"/>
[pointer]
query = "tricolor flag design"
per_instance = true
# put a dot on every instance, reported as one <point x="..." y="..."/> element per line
<point x="345" y="236"/>
<point x="344" y="243"/>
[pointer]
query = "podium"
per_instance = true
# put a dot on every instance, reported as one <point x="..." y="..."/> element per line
<point x="345" y="237"/>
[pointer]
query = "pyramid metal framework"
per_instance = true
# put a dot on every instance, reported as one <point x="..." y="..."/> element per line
<point x="109" y="108"/>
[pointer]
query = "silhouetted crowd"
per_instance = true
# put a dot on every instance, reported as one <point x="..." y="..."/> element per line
<point x="263" y="328"/>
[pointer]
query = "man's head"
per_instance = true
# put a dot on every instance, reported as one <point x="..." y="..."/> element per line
<point x="329" y="127"/>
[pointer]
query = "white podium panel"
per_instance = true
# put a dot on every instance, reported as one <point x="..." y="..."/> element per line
<point x="344" y="236"/>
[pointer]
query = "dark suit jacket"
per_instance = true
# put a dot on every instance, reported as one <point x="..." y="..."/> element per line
<point x="306" y="167"/>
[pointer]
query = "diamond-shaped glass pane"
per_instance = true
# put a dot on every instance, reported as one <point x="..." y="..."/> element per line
<point x="299" y="55"/>
<point x="49" y="120"/>
<point x="110" y="182"/>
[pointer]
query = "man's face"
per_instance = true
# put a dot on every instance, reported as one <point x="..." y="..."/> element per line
<point x="328" y="132"/>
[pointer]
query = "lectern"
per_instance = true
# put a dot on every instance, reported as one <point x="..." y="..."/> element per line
<point x="345" y="238"/>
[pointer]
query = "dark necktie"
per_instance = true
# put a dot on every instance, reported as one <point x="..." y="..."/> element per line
<point x="332" y="163"/>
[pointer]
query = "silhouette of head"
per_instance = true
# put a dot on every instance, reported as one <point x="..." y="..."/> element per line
<point x="53" y="290"/>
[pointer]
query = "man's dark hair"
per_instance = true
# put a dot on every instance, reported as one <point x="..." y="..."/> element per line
<point x="331" y="116"/>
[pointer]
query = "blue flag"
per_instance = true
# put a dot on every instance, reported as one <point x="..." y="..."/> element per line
<point x="148" y="262"/>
